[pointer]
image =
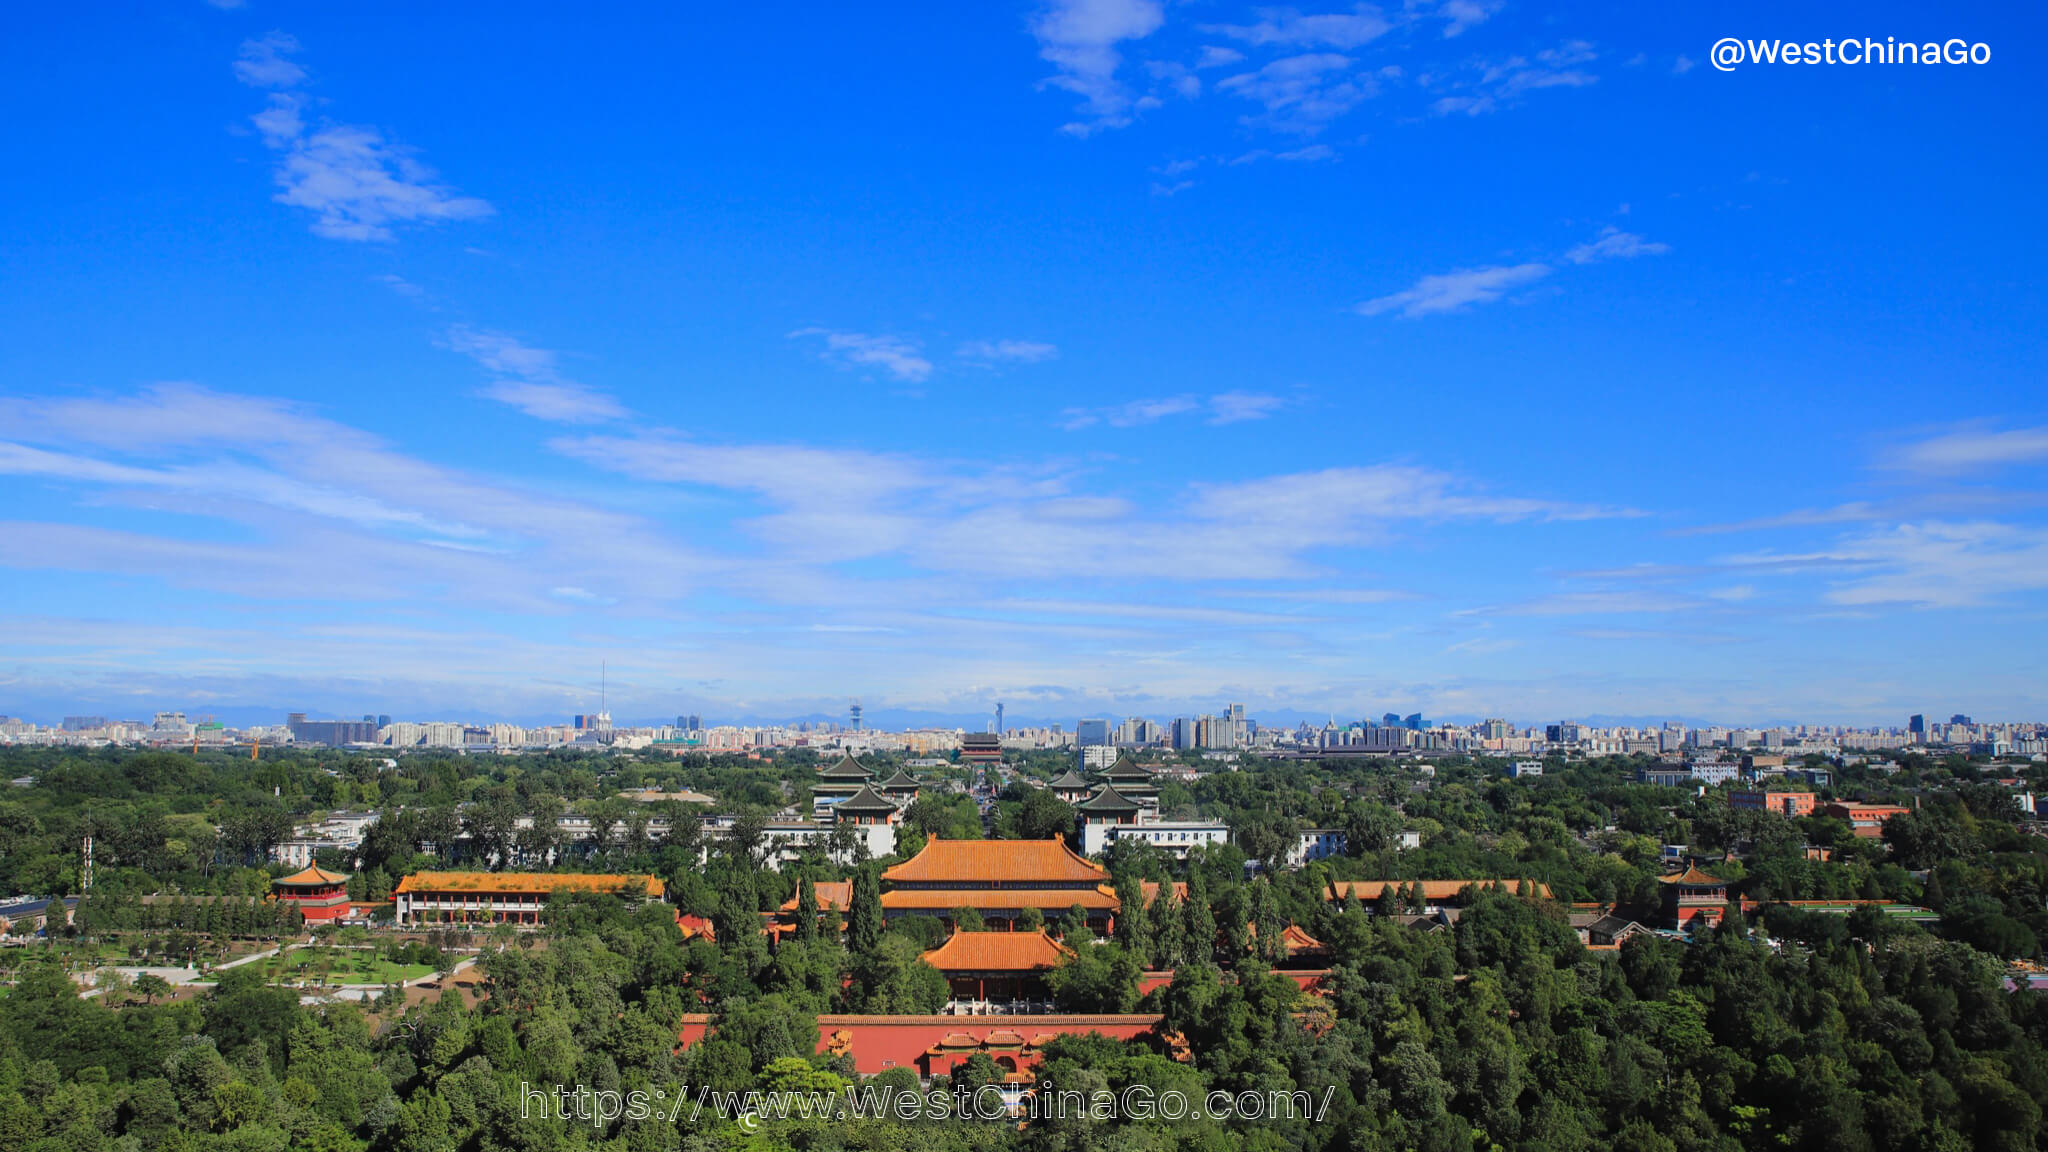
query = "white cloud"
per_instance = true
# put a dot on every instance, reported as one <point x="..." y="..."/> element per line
<point x="1456" y="291"/>
<point x="1340" y="500"/>
<point x="534" y="386"/>
<point x="1498" y="84"/>
<point x="561" y="403"/>
<point x="1614" y="244"/>
<point x="1290" y="28"/>
<point x="1460" y="15"/>
<point x="1974" y="450"/>
<point x="1222" y="408"/>
<point x="1302" y="93"/>
<point x="263" y="62"/>
<point x="1237" y="407"/>
<point x="1080" y="38"/>
<point x="357" y="183"/>
<point x="1944" y="565"/>
<point x="900" y="358"/>
<point x="319" y="509"/>
<point x="1012" y="351"/>
<point x="1131" y="414"/>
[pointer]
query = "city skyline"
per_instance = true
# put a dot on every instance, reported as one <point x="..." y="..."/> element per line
<point x="1101" y="357"/>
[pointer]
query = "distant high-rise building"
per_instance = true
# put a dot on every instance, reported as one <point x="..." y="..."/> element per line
<point x="853" y="713"/>
<point x="331" y="733"/>
<point x="1184" y="733"/>
<point x="1959" y="718"/>
<point x="1413" y="722"/>
<point x="689" y="724"/>
<point x="1917" y="728"/>
<point x="1091" y="733"/>
<point x="383" y="721"/>
<point x="84" y="723"/>
<point x="999" y="718"/>
<point x="1391" y="720"/>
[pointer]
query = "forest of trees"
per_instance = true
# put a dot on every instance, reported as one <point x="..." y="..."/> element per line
<point x="1788" y="1029"/>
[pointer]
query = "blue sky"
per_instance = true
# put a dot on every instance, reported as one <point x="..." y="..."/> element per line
<point x="1113" y="356"/>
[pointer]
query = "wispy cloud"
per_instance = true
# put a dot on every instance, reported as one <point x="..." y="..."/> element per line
<point x="1459" y="15"/>
<point x="1006" y="351"/>
<point x="529" y="380"/>
<point x="318" y="509"/>
<point x="1222" y="408"/>
<point x="1456" y="291"/>
<point x="357" y="184"/>
<point x="898" y="357"/>
<point x="1237" y="407"/>
<point x="1304" y="92"/>
<point x="1339" y="500"/>
<point x="266" y="63"/>
<point x="1944" y="565"/>
<point x="1490" y="86"/>
<point x="1290" y="28"/>
<point x="1080" y="39"/>
<point x="1972" y="450"/>
<point x="1614" y="244"/>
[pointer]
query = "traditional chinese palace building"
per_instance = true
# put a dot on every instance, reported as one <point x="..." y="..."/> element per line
<point x="998" y="966"/>
<point x="319" y="895"/>
<point x="838" y="782"/>
<point x="501" y="897"/>
<point x="1071" y="787"/>
<point x="1130" y="781"/>
<point x="1693" y="894"/>
<point x="999" y="879"/>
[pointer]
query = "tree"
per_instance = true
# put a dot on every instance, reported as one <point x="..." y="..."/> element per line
<point x="1040" y="815"/>
<point x="149" y="986"/>
<point x="864" y="919"/>
<point x="806" y="909"/>
<point x="1132" y="928"/>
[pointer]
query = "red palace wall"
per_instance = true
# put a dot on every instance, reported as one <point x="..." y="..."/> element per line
<point x="879" y="1043"/>
<point x="1308" y="978"/>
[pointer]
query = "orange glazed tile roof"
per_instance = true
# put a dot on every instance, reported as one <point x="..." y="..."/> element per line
<point x="1151" y="889"/>
<point x="525" y="883"/>
<point x="997" y="862"/>
<point x="1299" y="941"/>
<point x="832" y="894"/>
<point x="312" y="875"/>
<point x="1694" y="877"/>
<point x="1369" y="890"/>
<point x="997" y="952"/>
<point x="1057" y="900"/>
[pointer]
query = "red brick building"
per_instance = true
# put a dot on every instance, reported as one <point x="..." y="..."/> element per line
<point x="1784" y="803"/>
<point x="1865" y="820"/>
